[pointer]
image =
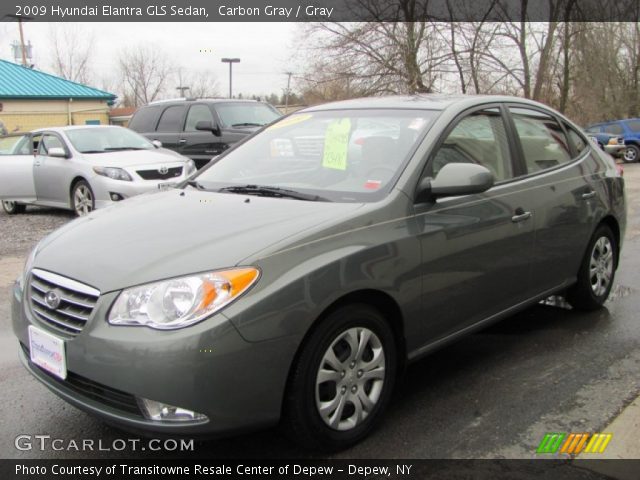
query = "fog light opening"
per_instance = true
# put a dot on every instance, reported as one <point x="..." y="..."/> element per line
<point x="164" y="412"/>
<point x="116" y="197"/>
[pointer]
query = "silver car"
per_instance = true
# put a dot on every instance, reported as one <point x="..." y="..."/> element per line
<point x="82" y="168"/>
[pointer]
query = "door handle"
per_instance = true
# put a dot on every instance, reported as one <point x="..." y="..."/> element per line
<point x="589" y="195"/>
<point x="182" y="141"/>
<point x="37" y="163"/>
<point x="520" y="216"/>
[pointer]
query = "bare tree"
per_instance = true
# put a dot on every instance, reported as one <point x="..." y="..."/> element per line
<point x="202" y="84"/>
<point x="144" y="71"/>
<point x="72" y="47"/>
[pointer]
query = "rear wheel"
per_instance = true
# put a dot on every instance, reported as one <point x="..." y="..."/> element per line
<point x="342" y="381"/>
<point x="13" y="208"/>
<point x="595" y="277"/>
<point x="631" y="153"/>
<point x="82" y="199"/>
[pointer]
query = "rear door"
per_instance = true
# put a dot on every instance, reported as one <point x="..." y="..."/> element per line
<point x="563" y="188"/>
<point x="200" y="145"/>
<point x="16" y="168"/>
<point x="169" y="127"/>
<point x="477" y="249"/>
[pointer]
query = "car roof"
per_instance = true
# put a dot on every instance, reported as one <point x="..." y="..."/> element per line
<point x="180" y="101"/>
<point x="72" y="127"/>
<point x="421" y="102"/>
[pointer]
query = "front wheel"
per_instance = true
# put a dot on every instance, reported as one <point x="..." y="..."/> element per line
<point x="595" y="277"/>
<point x="631" y="153"/>
<point x="342" y="380"/>
<point x="82" y="199"/>
<point x="13" y="208"/>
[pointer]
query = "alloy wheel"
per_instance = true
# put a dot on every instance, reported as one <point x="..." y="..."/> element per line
<point x="601" y="266"/>
<point x="8" y="205"/>
<point x="82" y="200"/>
<point x="350" y="378"/>
<point x="630" y="154"/>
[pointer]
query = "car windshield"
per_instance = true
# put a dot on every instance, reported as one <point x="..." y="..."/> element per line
<point x="634" y="125"/>
<point x="246" y="114"/>
<point x="338" y="155"/>
<point x="107" y="139"/>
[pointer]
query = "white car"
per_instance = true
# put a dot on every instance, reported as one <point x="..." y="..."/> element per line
<point x="82" y="168"/>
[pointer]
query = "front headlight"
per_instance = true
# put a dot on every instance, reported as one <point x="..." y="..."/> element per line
<point x="113" y="172"/>
<point x="190" y="167"/>
<point x="182" y="301"/>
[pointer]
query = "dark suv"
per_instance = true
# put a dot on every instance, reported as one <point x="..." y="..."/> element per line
<point x="201" y="129"/>
<point x="628" y="129"/>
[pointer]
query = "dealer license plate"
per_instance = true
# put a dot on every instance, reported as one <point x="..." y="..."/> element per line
<point x="166" y="186"/>
<point x="47" y="351"/>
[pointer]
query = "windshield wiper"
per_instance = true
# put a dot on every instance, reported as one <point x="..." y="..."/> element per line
<point x="266" y="191"/>
<point x="195" y="184"/>
<point x="247" y="124"/>
<point x="91" y="151"/>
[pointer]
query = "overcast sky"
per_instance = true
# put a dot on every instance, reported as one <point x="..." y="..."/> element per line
<point x="266" y="50"/>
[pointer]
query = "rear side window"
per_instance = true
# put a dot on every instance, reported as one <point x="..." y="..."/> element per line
<point x="479" y="138"/>
<point x="197" y="113"/>
<point x="614" y="128"/>
<point x="544" y="143"/>
<point x="578" y="140"/>
<point x="144" y="120"/>
<point x="171" y="119"/>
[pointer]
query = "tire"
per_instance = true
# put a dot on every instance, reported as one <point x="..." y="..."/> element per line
<point x="13" y="208"/>
<point x="82" y="199"/>
<point x="597" y="272"/>
<point x="361" y="394"/>
<point x="631" y="153"/>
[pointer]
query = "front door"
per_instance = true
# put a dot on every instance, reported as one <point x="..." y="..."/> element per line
<point x="51" y="173"/>
<point x="476" y="249"/>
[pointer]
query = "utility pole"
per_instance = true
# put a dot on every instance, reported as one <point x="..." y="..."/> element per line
<point x="286" y="96"/>
<point x="181" y="88"/>
<point x="230" y="61"/>
<point x="24" y="54"/>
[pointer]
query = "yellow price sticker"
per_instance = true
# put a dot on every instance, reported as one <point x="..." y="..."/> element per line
<point x="336" y="144"/>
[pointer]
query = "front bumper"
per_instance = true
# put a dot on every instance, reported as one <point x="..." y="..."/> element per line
<point x="614" y="150"/>
<point x="207" y="368"/>
<point x="103" y="187"/>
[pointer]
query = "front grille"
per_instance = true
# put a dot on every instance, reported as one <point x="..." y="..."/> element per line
<point x="84" y="387"/>
<point x="76" y="302"/>
<point x="156" y="175"/>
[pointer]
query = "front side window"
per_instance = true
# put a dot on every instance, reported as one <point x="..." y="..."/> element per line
<point x="479" y="138"/>
<point x="342" y="155"/>
<point x="170" y="120"/>
<point x="614" y="129"/>
<point x="246" y="114"/>
<point x="16" y="145"/>
<point x="633" y="125"/>
<point x="544" y="143"/>
<point x="49" y="142"/>
<point x="197" y="113"/>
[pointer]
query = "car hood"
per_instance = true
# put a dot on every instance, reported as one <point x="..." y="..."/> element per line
<point x="134" y="158"/>
<point x="178" y="232"/>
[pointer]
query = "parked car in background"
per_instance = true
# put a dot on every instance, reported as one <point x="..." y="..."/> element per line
<point x="308" y="278"/>
<point x="83" y="167"/>
<point x="610" y="143"/>
<point x="628" y="129"/>
<point x="201" y="129"/>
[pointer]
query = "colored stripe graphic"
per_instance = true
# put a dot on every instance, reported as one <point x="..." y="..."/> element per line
<point x="598" y="443"/>
<point x="551" y="442"/>
<point x="574" y="443"/>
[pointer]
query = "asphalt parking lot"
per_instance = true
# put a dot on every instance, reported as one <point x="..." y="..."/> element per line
<point x="492" y="395"/>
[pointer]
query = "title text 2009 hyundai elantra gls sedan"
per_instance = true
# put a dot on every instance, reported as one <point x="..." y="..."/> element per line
<point x="292" y="280"/>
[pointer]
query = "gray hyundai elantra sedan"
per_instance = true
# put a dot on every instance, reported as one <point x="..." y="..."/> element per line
<point x="291" y="281"/>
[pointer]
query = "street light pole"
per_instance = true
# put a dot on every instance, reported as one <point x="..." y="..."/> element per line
<point x="230" y="61"/>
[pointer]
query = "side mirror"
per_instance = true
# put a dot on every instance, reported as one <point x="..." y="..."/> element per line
<point x="157" y="143"/>
<point x="57" y="152"/>
<point x="455" y="179"/>
<point x="208" y="126"/>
